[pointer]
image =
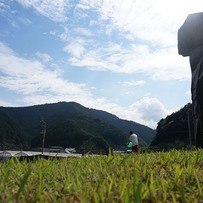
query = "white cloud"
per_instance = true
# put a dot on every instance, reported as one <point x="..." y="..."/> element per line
<point x="76" y="48"/>
<point x="83" y="31"/>
<point x="43" y="56"/>
<point x="154" y="21"/>
<point x="5" y="103"/>
<point x="153" y="24"/>
<point x="4" y="8"/>
<point x="65" y="36"/>
<point x="149" y="111"/>
<point x="55" y="10"/>
<point x="134" y="83"/>
<point x="162" y="64"/>
<point x="31" y="76"/>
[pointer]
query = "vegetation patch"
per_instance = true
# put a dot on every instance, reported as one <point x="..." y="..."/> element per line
<point x="174" y="176"/>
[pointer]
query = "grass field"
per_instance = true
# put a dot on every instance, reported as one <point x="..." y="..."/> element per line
<point x="174" y="176"/>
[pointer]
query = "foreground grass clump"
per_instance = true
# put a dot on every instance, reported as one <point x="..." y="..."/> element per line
<point x="174" y="176"/>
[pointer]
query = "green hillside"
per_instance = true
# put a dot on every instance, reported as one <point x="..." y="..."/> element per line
<point x="11" y="134"/>
<point x="173" y="131"/>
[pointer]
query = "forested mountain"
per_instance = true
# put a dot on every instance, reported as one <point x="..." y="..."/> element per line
<point x="173" y="131"/>
<point x="73" y="125"/>
<point x="11" y="134"/>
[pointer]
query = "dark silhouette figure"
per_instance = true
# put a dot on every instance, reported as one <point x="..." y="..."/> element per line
<point x="190" y="43"/>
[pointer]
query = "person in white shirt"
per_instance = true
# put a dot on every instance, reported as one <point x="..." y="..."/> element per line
<point x="133" y="138"/>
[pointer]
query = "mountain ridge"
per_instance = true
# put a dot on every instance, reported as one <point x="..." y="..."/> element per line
<point x="64" y="112"/>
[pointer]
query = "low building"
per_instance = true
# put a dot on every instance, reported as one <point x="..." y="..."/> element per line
<point x="70" y="150"/>
<point x="57" y="149"/>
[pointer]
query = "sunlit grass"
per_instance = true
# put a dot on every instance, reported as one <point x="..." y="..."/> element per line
<point x="174" y="176"/>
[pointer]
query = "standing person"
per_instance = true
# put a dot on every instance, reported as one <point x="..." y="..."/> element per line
<point x="133" y="138"/>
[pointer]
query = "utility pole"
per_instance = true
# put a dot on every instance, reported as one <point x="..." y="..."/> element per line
<point x="44" y="125"/>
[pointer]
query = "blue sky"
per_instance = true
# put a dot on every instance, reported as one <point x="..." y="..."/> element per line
<point x="114" y="55"/>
